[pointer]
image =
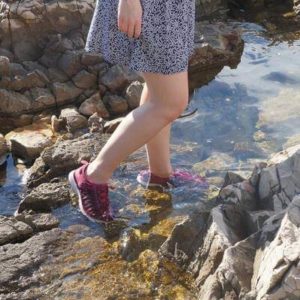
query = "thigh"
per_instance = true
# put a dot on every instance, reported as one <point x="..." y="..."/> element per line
<point x="169" y="89"/>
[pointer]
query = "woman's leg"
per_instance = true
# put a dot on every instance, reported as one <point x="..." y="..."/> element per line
<point x="158" y="148"/>
<point x="168" y="98"/>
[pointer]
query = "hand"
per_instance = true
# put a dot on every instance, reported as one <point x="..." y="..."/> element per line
<point x="130" y="17"/>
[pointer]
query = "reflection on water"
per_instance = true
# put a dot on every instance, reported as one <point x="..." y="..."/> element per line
<point x="244" y="115"/>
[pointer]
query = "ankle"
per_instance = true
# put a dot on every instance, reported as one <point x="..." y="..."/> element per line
<point x="161" y="174"/>
<point x="92" y="176"/>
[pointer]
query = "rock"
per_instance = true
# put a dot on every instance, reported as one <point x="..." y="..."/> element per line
<point x="232" y="178"/>
<point x="197" y="244"/>
<point x="256" y="219"/>
<point x="65" y="92"/>
<point x="3" y="146"/>
<point x="116" y="105"/>
<point x="36" y="78"/>
<point x="110" y="126"/>
<point x="57" y="124"/>
<point x="216" y="45"/>
<point x="38" y="222"/>
<point x="69" y="62"/>
<point x="12" y="230"/>
<point x="277" y="261"/>
<point x="133" y="94"/>
<point x="232" y="279"/>
<point x="91" y="58"/>
<point x="118" y="77"/>
<point x="42" y="97"/>
<point x="132" y="244"/>
<point x="64" y="156"/>
<point x="24" y="258"/>
<point x="84" y="80"/>
<point x="255" y="176"/>
<point x="279" y="182"/>
<point x="29" y="141"/>
<point x="242" y="194"/>
<point x="209" y="8"/>
<point x="216" y="163"/>
<point x="96" y="123"/>
<point x="13" y="103"/>
<point x="45" y="197"/>
<point x="297" y="6"/>
<point x="57" y="75"/>
<point x="4" y="66"/>
<point x="93" y="105"/>
<point x="73" y="118"/>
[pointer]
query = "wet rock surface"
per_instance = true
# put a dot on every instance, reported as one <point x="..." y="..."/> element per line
<point x="238" y="259"/>
<point x="228" y="247"/>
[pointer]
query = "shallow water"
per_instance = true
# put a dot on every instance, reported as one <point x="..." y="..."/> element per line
<point x="244" y="115"/>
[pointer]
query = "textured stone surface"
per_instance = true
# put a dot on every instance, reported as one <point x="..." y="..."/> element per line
<point x="92" y="105"/>
<point x="198" y="243"/>
<point x="29" y="141"/>
<point x="64" y="156"/>
<point x="73" y="119"/>
<point x="24" y="258"/>
<point x="277" y="261"/>
<point x="46" y="196"/>
<point x="44" y="65"/>
<point x="280" y="181"/>
<point x="239" y="251"/>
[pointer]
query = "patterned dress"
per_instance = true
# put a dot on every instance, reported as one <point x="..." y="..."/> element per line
<point x="164" y="46"/>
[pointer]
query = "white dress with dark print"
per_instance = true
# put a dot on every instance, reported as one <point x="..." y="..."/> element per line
<point x="164" y="46"/>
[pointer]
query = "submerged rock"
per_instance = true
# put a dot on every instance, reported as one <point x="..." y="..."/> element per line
<point x="23" y="226"/>
<point x="24" y="258"/>
<point x="12" y="230"/>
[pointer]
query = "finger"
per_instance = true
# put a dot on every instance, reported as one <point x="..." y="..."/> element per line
<point x="121" y="23"/>
<point x="137" y="29"/>
<point x="130" y="29"/>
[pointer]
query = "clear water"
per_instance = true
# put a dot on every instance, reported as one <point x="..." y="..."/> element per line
<point x="244" y="114"/>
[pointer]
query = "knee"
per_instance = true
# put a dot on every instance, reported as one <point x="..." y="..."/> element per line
<point x="176" y="107"/>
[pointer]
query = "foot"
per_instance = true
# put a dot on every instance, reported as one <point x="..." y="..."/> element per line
<point x="93" y="198"/>
<point x="178" y="178"/>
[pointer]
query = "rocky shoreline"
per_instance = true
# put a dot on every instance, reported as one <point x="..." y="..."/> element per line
<point x="59" y="106"/>
<point x="242" y="244"/>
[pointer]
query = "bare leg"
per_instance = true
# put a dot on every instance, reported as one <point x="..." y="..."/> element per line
<point x="168" y="98"/>
<point x="158" y="148"/>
